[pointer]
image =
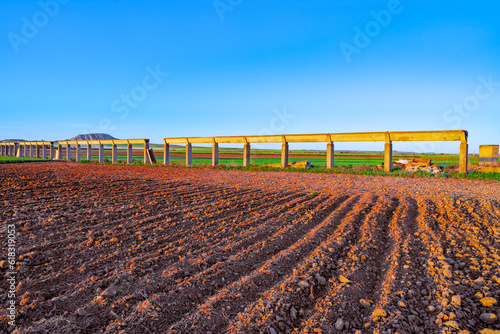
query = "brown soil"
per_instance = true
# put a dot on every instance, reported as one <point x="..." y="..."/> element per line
<point x="103" y="250"/>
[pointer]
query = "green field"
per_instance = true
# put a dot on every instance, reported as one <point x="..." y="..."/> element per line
<point x="14" y="159"/>
<point x="345" y="163"/>
<point x="234" y="157"/>
<point x="316" y="158"/>
<point x="341" y="158"/>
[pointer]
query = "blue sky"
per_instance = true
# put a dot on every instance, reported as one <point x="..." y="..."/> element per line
<point x="160" y="69"/>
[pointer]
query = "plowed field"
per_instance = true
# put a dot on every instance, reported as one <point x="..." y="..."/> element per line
<point x="138" y="249"/>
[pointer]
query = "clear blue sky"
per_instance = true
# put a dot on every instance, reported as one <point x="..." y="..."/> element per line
<point x="248" y="67"/>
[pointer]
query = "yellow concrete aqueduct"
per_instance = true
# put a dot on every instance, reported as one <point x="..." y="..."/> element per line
<point x="32" y="149"/>
<point x="329" y="138"/>
<point x="46" y="149"/>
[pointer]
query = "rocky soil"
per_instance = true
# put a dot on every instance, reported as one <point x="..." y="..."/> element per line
<point x="142" y="249"/>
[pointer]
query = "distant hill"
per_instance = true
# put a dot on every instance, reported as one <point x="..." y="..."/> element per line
<point x="93" y="136"/>
<point x="11" y="140"/>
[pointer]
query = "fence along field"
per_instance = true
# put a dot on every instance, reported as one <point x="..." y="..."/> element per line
<point x="32" y="149"/>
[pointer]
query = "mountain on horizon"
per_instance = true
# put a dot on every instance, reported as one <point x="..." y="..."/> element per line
<point x="11" y="140"/>
<point x="93" y="136"/>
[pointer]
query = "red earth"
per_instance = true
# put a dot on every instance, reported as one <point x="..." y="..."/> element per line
<point x="143" y="249"/>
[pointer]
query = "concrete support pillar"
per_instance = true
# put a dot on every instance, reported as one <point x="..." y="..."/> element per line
<point x="464" y="158"/>
<point x="78" y="152"/>
<point x="246" y="155"/>
<point x="44" y="151"/>
<point x="215" y="154"/>
<point x="37" y="151"/>
<point x="1" y="150"/>
<point x="101" y="153"/>
<point x="146" y="153"/>
<point x="68" y="152"/>
<point x="59" y="155"/>
<point x="52" y="153"/>
<point x="89" y="152"/>
<point x="166" y="154"/>
<point x="189" y="154"/>
<point x="330" y="155"/>
<point x="284" y="155"/>
<point x="114" y="153"/>
<point x="388" y="157"/>
<point x="18" y="151"/>
<point x="129" y="154"/>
